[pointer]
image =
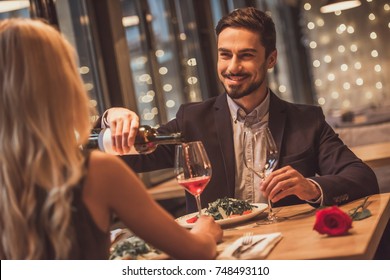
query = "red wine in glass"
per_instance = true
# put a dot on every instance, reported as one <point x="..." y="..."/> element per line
<point x="195" y="185"/>
<point x="192" y="169"/>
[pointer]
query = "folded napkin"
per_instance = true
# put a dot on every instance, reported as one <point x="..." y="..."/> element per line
<point x="259" y="251"/>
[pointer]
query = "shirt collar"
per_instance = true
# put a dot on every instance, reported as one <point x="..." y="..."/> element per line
<point x="260" y="111"/>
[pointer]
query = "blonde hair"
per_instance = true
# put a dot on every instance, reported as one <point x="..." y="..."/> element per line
<point x="43" y="105"/>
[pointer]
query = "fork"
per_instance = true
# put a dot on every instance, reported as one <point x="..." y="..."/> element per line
<point x="246" y="242"/>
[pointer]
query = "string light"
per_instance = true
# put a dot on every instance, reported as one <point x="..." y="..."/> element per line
<point x="327" y="58"/>
<point x="88" y="86"/>
<point x="357" y="65"/>
<point x="167" y="87"/>
<point x="84" y="70"/>
<point x="346" y="85"/>
<point x="307" y="6"/>
<point x="331" y="77"/>
<point x="318" y="82"/>
<point x="341" y="48"/>
<point x="369" y="95"/>
<point x="146" y="98"/>
<point x="346" y="104"/>
<point x="321" y="101"/>
<point x="350" y="29"/>
<point x="353" y="48"/>
<point x="183" y="36"/>
<point x="163" y="70"/>
<point x="313" y="44"/>
<point x="192" y="62"/>
<point x="359" y="81"/>
<point x="341" y="28"/>
<point x="192" y="80"/>
<point x="320" y="22"/>
<point x="170" y="103"/>
<point x="144" y="77"/>
<point x="160" y="53"/>
<point x="374" y="53"/>
<point x="149" y="116"/>
<point x="282" y="88"/>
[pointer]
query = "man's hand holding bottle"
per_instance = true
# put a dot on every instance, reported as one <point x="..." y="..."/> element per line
<point x="121" y="134"/>
<point x="124" y="125"/>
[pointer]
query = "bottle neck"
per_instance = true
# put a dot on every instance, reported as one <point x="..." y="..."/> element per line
<point x="174" y="138"/>
<point x="93" y="141"/>
<point x="146" y="134"/>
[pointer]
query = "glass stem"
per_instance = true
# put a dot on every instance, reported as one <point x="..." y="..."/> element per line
<point x="197" y="198"/>
<point x="271" y="214"/>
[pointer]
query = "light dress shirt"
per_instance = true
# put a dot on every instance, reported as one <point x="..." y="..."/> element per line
<point x="247" y="184"/>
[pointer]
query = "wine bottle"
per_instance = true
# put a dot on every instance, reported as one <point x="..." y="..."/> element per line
<point x="146" y="140"/>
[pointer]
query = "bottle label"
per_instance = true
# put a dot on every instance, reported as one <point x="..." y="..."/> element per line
<point x="105" y="143"/>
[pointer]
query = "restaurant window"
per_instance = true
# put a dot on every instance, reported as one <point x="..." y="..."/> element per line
<point x="167" y="69"/>
<point x="74" y="23"/>
<point x="13" y="9"/>
<point x="164" y="57"/>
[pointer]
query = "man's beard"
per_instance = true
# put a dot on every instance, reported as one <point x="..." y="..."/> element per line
<point x="235" y="93"/>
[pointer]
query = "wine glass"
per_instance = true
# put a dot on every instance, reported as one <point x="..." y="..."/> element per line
<point x="263" y="157"/>
<point x="192" y="169"/>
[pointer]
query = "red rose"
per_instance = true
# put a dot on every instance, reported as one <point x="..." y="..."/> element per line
<point x="332" y="221"/>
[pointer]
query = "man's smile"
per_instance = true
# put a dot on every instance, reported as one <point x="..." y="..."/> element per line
<point x="235" y="79"/>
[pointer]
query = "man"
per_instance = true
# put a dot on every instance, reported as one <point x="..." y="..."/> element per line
<point x="314" y="165"/>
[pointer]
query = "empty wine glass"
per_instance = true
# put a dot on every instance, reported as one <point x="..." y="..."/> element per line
<point x="192" y="169"/>
<point x="263" y="157"/>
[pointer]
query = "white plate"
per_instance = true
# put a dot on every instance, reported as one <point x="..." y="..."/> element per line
<point x="255" y="211"/>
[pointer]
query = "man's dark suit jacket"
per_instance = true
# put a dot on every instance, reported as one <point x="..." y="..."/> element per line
<point x="305" y="141"/>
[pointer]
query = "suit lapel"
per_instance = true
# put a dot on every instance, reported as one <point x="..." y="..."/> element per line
<point x="277" y="119"/>
<point x="225" y="138"/>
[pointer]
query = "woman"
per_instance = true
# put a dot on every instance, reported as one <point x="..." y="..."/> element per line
<point x="56" y="201"/>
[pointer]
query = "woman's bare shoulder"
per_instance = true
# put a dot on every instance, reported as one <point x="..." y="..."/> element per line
<point x="102" y="160"/>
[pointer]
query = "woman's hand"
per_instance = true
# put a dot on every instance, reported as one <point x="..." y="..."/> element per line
<point x="207" y="225"/>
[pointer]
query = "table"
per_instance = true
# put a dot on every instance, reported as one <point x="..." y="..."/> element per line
<point x="300" y="241"/>
<point x="167" y="190"/>
<point x="375" y="155"/>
